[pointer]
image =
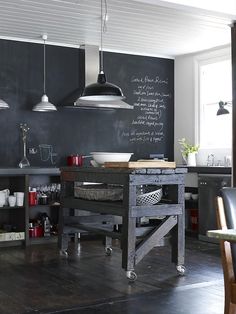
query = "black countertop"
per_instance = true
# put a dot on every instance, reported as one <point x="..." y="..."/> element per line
<point x="210" y="170"/>
<point x="28" y="170"/>
<point x="56" y="171"/>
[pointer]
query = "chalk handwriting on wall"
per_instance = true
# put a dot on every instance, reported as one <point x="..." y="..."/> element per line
<point x="150" y="103"/>
<point x="47" y="154"/>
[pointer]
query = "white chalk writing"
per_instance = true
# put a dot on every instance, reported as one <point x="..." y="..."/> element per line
<point x="149" y="106"/>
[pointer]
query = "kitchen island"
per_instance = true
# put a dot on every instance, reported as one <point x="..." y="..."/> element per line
<point x="136" y="239"/>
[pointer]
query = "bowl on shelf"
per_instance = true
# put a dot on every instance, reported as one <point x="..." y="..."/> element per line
<point x="187" y="196"/>
<point x="195" y="197"/>
<point x="101" y="157"/>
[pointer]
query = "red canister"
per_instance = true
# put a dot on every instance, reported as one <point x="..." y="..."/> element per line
<point x="32" y="198"/>
<point x="36" y="231"/>
<point x="75" y="160"/>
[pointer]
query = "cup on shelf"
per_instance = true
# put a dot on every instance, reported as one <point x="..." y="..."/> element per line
<point x="187" y="196"/>
<point x="194" y="197"/>
<point x="2" y="198"/>
<point x="12" y="200"/>
<point x="19" y="198"/>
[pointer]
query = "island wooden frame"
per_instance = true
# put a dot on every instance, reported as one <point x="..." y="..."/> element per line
<point x="132" y="250"/>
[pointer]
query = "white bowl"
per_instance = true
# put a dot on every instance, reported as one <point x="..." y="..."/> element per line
<point x="195" y="197"/>
<point x="187" y="195"/>
<point x="101" y="157"/>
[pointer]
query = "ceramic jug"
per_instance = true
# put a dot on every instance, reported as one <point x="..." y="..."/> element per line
<point x="191" y="160"/>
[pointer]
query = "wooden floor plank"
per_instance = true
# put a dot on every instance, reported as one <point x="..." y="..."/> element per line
<point x="39" y="280"/>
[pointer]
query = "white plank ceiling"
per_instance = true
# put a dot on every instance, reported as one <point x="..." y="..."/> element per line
<point x="139" y="27"/>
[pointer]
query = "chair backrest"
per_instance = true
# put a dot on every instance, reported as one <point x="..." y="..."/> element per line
<point x="229" y="200"/>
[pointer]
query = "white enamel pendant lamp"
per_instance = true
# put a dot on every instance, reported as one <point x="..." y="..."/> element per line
<point x="44" y="105"/>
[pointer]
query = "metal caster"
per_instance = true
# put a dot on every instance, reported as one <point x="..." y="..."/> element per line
<point x="180" y="270"/>
<point x="108" y="251"/>
<point x="131" y="275"/>
<point x="63" y="253"/>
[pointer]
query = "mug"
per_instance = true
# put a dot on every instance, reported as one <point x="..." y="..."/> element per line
<point x="12" y="200"/>
<point x="19" y="198"/>
<point x="75" y="160"/>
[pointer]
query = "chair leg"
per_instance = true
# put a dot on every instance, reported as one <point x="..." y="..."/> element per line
<point x="231" y="309"/>
<point x="227" y="306"/>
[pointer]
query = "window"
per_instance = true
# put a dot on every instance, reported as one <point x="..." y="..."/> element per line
<point x="215" y="131"/>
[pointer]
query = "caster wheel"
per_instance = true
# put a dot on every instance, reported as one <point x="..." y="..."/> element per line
<point x="180" y="270"/>
<point x="131" y="275"/>
<point x="63" y="253"/>
<point x="108" y="251"/>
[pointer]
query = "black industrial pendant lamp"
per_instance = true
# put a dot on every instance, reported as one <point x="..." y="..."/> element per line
<point x="44" y="105"/>
<point x="222" y="109"/>
<point x="102" y="91"/>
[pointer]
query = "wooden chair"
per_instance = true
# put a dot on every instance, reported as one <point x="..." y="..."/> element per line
<point x="226" y="219"/>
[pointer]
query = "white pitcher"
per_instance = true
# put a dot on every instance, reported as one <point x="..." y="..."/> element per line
<point x="191" y="159"/>
<point x="2" y="198"/>
<point x="4" y="194"/>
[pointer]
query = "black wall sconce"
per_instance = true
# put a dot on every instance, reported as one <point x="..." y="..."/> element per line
<point x="222" y="109"/>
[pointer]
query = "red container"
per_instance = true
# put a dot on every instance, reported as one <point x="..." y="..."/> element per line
<point x="36" y="232"/>
<point x="32" y="198"/>
<point x="75" y="160"/>
<point x="194" y="219"/>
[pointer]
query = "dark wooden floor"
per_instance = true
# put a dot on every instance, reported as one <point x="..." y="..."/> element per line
<point x="39" y="280"/>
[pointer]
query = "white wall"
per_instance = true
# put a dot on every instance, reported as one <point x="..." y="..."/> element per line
<point x="184" y="102"/>
<point x="187" y="108"/>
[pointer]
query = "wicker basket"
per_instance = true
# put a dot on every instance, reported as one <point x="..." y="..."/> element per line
<point x="101" y="192"/>
<point x="149" y="195"/>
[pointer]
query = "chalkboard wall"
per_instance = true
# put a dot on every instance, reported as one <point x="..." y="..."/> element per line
<point x="147" y="82"/>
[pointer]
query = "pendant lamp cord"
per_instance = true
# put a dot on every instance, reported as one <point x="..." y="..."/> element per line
<point x="44" y="67"/>
<point x="103" y="30"/>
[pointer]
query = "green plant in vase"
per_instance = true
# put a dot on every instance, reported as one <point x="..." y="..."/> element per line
<point x="188" y="151"/>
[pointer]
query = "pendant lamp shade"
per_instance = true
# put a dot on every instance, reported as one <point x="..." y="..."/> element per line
<point x="3" y="104"/>
<point x="44" y="105"/>
<point x="102" y="91"/>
